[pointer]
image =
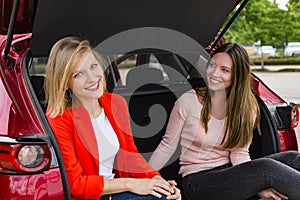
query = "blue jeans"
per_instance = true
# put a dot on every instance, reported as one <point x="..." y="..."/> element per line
<point x="131" y="196"/>
<point x="280" y="171"/>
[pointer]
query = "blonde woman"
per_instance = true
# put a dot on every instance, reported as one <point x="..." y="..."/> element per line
<point x="93" y="130"/>
<point x="215" y="126"/>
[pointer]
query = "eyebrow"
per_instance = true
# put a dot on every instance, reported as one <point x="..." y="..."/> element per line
<point x="227" y="68"/>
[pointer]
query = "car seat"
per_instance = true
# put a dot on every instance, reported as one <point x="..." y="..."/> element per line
<point x="142" y="75"/>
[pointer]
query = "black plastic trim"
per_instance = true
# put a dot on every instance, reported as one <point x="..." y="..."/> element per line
<point x="10" y="34"/>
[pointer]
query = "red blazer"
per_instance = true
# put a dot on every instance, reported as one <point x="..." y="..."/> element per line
<point x="77" y="141"/>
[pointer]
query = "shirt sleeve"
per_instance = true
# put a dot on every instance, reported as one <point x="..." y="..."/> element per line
<point x="240" y="155"/>
<point x="171" y="139"/>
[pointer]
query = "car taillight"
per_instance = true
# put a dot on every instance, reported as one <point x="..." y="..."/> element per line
<point x="17" y="156"/>
<point x="288" y="140"/>
<point x="294" y="116"/>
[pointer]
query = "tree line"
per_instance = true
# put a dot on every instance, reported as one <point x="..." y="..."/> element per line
<point x="263" y="20"/>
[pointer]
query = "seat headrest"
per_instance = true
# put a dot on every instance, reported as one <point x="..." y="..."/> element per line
<point x="143" y="75"/>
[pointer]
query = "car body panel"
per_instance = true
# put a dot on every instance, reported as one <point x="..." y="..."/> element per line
<point x="20" y="119"/>
<point x="45" y="185"/>
<point x="24" y="19"/>
<point x="20" y="111"/>
<point x="268" y="95"/>
<point x="5" y="104"/>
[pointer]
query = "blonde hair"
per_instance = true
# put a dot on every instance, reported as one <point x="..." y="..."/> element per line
<point x="64" y="55"/>
<point x="242" y="111"/>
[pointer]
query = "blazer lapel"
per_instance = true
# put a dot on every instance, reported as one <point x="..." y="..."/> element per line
<point x="85" y="130"/>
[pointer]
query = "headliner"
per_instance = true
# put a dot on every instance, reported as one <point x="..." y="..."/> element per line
<point x="98" y="20"/>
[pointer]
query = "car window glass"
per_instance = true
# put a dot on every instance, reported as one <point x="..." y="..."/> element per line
<point x="38" y="66"/>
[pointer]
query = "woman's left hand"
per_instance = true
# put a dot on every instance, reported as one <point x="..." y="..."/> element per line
<point x="176" y="194"/>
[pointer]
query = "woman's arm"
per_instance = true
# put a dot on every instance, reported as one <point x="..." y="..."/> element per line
<point x="240" y="155"/>
<point x="142" y="186"/>
<point x="171" y="139"/>
<point x="81" y="184"/>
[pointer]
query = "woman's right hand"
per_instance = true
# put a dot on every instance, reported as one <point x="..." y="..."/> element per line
<point x="271" y="194"/>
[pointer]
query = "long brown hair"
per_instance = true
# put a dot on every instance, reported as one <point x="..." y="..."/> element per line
<point x="242" y="111"/>
<point x="64" y="54"/>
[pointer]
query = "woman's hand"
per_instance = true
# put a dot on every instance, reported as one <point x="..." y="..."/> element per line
<point x="271" y="194"/>
<point x="176" y="195"/>
<point x="176" y="192"/>
<point x="155" y="186"/>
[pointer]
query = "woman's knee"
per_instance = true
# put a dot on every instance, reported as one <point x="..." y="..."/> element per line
<point x="266" y="163"/>
<point x="291" y="154"/>
<point x="286" y="157"/>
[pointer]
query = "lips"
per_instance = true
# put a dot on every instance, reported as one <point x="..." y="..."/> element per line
<point x="215" y="81"/>
<point x="93" y="87"/>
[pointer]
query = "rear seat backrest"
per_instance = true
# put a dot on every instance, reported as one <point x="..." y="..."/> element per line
<point x="142" y="75"/>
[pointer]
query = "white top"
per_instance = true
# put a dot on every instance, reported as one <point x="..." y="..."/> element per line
<point x="108" y="145"/>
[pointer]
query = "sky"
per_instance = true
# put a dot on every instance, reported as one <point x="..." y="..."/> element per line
<point x="282" y="4"/>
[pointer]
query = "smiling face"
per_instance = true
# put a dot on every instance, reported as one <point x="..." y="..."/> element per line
<point x="86" y="81"/>
<point x="219" y="72"/>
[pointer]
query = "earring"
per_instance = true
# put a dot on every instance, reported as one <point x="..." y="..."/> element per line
<point x="68" y="95"/>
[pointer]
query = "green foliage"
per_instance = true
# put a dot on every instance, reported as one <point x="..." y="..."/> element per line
<point x="263" y="20"/>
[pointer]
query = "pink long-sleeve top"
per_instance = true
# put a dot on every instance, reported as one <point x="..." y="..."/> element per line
<point x="200" y="150"/>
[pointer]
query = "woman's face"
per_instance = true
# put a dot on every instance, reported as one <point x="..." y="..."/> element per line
<point x="86" y="80"/>
<point x="219" y="72"/>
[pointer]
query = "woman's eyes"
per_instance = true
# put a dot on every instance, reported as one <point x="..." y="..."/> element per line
<point x="94" y="65"/>
<point x="225" y="70"/>
<point x="212" y="65"/>
<point x="77" y="75"/>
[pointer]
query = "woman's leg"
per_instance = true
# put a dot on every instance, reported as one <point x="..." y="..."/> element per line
<point x="243" y="181"/>
<point x="290" y="158"/>
<point x="131" y="196"/>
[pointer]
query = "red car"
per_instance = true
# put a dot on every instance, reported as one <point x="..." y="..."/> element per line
<point x="163" y="36"/>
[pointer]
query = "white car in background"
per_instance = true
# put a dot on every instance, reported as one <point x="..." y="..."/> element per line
<point x="267" y="51"/>
<point x="292" y="49"/>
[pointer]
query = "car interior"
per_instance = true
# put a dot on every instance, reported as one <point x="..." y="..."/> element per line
<point x="150" y="101"/>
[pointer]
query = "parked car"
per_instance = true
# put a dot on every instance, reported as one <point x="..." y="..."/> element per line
<point x="267" y="51"/>
<point x="292" y="49"/>
<point x="171" y="33"/>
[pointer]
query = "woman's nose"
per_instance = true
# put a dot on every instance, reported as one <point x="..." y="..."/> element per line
<point x="91" y="76"/>
<point x="216" y="72"/>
